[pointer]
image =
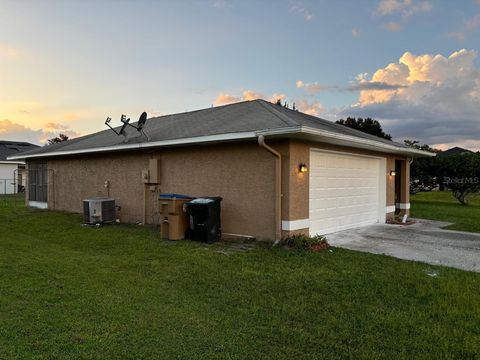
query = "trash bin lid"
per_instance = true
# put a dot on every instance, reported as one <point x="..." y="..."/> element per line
<point x="202" y="201"/>
<point x="177" y="196"/>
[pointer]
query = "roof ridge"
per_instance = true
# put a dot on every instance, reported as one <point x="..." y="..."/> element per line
<point x="270" y="107"/>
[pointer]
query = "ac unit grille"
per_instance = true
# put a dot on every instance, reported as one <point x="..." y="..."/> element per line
<point x="98" y="211"/>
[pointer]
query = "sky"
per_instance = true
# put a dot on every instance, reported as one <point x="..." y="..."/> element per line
<point x="412" y="64"/>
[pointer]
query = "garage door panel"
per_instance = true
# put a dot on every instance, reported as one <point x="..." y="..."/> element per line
<point x="344" y="191"/>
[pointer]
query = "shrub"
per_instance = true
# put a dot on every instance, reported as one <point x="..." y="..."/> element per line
<point x="305" y="242"/>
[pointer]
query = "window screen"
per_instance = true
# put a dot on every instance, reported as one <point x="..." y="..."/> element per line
<point x="37" y="182"/>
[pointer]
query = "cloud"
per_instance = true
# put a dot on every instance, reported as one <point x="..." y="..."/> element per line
<point x="433" y="98"/>
<point x="473" y="23"/>
<point x="457" y="35"/>
<point x="404" y="7"/>
<point x="17" y="132"/>
<point x="224" y="98"/>
<point x="298" y="8"/>
<point x="311" y="88"/>
<point x="314" y="108"/>
<point x="362" y="83"/>
<point x="308" y="107"/>
<point x="392" y="26"/>
<point x="470" y="26"/>
<point x="374" y="85"/>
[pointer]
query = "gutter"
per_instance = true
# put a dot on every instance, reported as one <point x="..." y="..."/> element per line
<point x="278" y="187"/>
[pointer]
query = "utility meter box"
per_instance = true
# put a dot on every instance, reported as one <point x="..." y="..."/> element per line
<point x="154" y="170"/>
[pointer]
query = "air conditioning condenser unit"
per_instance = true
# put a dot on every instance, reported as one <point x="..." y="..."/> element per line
<point x="98" y="211"/>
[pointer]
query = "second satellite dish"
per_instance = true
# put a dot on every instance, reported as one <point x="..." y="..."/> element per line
<point x="142" y="121"/>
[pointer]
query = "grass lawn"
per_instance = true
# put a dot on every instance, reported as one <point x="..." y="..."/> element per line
<point x="118" y="292"/>
<point x="441" y="205"/>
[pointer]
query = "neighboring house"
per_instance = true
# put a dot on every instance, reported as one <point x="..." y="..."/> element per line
<point x="454" y="151"/>
<point x="12" y="177"/>
<point x="278" y="171"/>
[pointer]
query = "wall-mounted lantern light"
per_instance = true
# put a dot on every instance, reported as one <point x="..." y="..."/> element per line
<point x="392" y="173"/>
<point x="302" y="168"/>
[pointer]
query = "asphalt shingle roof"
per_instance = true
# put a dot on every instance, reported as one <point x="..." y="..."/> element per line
<point x="247" y="116"/>
<point x="10" y="148"/>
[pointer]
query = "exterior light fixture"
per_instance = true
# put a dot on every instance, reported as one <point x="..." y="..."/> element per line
<point x="302" y="168"/>
<point x="392" y="173"/>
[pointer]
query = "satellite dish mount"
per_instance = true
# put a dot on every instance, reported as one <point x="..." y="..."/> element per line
<point x="126" y="122"/>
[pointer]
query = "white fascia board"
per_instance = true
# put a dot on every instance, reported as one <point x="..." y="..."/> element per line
<point x="12" y="162"/>
<point x="353" y="141"/>
<point x="147" y="145"/>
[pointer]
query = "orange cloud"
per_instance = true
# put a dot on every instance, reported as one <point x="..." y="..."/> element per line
<point x="247" y="95"/>
<point x="17" y="132"/>
<point x="310" y="88"/>
<point x="473" y="145"/>
<point x="314" y="108"/>
<point x="412" y="73"/>
<point x="392" y="26"/>
<point x="405" y="7"/>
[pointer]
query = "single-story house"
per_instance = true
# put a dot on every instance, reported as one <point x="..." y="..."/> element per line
<point x="279" y="171"/>
<point x="12" y="177"/>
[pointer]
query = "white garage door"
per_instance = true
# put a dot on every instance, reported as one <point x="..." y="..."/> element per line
<point x="346" y="191"/>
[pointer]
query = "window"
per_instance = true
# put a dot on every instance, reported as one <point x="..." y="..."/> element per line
<point x="37" y="182"/>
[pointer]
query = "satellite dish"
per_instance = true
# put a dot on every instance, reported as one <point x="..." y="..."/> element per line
<point x="126" y="122"/>
<point x="141" y="121"/>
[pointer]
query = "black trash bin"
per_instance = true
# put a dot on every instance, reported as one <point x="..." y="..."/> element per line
<point x="205" y="223"/>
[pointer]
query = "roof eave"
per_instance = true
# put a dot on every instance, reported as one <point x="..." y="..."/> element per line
<point x="344" y="140"/>
<point x="303" y="132"/>
<point x="145" y="145"/>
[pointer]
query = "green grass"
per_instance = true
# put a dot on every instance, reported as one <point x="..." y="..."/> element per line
<point x="12" y="200"/>
<point x="119" y="292"/>
<point x="441" y="205"/>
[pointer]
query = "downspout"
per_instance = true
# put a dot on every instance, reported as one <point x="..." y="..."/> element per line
<point x="278" y="187"/>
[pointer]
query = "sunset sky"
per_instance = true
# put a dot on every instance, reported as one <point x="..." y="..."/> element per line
<point x="412" y="64"/>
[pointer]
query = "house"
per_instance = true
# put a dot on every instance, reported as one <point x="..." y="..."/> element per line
<point x="12" y="177"/>
<point x="278" y="171"/>
<point x="454" y="151"/>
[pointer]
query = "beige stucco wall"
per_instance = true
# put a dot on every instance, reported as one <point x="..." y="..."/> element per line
<point x="242" y="174"/>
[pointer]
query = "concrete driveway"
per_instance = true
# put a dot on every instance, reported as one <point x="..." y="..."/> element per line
<point x="424" y="241"/>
